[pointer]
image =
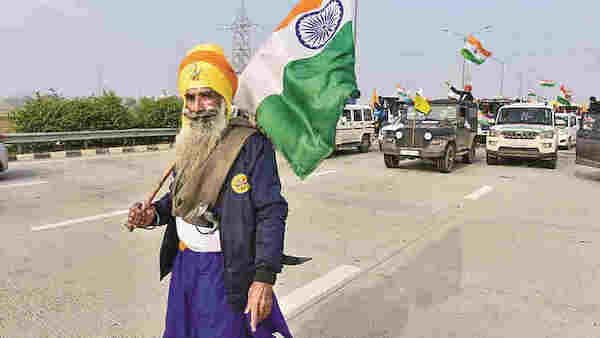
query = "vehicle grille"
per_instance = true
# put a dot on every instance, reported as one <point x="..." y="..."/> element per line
<point x="522" y="135"/>
<point x="532" y="151"/>
<point x="407" y="138"/>
<point x="410" y="134"/>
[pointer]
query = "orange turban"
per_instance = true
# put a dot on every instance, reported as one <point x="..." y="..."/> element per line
<point x="205" y="66"/>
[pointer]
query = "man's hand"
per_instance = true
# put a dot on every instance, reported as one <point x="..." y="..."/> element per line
<point x="260" y="303"/>
<point x="140" y="216"/>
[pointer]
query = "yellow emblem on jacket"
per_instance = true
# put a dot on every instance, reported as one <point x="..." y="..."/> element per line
<point x="240" y="184"/>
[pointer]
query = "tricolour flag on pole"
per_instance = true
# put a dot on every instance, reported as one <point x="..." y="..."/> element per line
<point x="547" y="83"/>
<point x="298" y="81"/>
<point x="474" y="51"/>
<point x="566" y="93"/>
<point x="562" y="100"/>
<point x="402" y="94"/>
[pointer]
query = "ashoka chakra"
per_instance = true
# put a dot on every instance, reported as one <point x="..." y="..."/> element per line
<point x="315" y="29"/>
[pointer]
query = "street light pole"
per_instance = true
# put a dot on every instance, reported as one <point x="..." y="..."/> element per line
<point x="502" y="80"/>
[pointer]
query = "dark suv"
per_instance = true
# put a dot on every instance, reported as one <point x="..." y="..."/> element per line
<point x="588" y="140"/>
<point x="445" y="133"/>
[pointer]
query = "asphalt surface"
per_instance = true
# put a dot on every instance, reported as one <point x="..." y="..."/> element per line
<point x="487" y="251"/>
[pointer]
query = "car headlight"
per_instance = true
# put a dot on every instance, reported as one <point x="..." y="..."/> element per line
<point x="493" y="133"/>
<point x="428" y="136"/>
<point x="399" y="134"/>
<point x="547" y="134"/>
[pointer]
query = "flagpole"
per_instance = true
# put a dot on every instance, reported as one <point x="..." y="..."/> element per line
<point x="464" y="69"/>
<point x="356" y="38"/>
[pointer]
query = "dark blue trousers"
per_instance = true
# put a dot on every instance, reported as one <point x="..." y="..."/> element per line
<point x="198" y="308"/>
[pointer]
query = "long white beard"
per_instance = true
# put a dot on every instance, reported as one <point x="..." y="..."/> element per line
<point x="198" y="139"/>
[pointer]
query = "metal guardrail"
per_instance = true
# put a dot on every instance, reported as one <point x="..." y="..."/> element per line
<point x="28" y="138"/>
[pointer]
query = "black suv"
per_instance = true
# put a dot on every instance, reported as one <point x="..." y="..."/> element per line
<point x="588" y="139"/>
<point x="446" y="132"/>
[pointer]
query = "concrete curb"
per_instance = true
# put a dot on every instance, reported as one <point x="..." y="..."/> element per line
<point x="91" y="152"/>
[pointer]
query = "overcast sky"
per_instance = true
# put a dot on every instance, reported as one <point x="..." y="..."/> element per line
<point x="138" y="44"/>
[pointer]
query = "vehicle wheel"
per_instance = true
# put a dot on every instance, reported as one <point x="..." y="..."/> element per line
<point x="470" y="156"/>
<point x="490" y="160"/>
<point x="391" y="161"/>
<point x="447" y="162"/>
<point x="365" y="144"/>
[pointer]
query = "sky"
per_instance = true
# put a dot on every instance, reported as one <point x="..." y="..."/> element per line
<point x="137" y="45"/>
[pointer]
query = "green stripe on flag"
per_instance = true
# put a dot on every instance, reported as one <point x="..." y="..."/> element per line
<point x="467" y="54"/>
<point x="301" y="122"/>
<point x="563" y="100"/>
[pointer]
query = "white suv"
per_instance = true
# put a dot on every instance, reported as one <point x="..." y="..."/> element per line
<point x="567" y="127"/>
<point x="525" y="131"/>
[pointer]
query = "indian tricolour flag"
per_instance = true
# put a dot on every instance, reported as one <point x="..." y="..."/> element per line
<point x="298" y="82"/>
<point x="474" y="51"/>
<point x="547" y="83"/>
<point x="563" y="100"/>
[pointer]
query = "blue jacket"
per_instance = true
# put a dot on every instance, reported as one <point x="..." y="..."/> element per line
<point x="252" y="223"/>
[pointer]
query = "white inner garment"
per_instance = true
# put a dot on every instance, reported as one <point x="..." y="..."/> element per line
<point x="195" y="240"/>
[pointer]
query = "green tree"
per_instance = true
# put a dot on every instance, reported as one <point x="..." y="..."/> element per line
<point x="159" y="113"/>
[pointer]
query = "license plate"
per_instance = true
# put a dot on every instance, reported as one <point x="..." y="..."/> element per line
<point x="409" y="152"/>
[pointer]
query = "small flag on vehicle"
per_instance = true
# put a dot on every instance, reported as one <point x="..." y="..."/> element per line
<point x="374" y="99"/>
<point x="421" y="103"/>
<point x="402" y="94"/>
<point x="562" y="100"/>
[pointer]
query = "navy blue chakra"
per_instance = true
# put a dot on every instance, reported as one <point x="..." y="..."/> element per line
<point x="315" y="29"/>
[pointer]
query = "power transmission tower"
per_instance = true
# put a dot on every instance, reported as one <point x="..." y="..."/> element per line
<point x="242" y="29"/>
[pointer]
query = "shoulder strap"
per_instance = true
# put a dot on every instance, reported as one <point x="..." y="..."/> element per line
<point x="220" y="161"/>
<point x="201" y="192"/>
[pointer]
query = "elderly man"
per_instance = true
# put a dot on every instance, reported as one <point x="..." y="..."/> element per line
<point x="225" y="214"/>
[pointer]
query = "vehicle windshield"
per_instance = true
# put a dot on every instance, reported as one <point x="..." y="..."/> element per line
<point x="562" y="118"/>
<point x="525" y="116"/>
<point x="437" y="113"/>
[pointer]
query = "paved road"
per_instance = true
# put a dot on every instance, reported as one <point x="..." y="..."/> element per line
<point x="514" y="258"/>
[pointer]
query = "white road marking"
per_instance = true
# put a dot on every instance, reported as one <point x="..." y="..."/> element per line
<point x="326" y="172"/>
<point x="79" y="220"/>
<point x="311" y="293"/>
<point x="22" y="184"/>
<point x="477" y="194"/>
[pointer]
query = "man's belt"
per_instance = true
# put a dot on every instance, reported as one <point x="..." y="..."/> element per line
<point x="209" y="228"/>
